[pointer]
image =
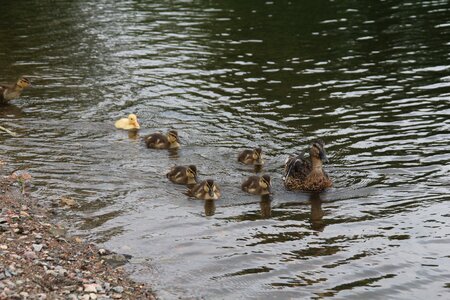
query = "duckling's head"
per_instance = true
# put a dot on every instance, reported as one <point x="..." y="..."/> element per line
<point x="23" y="82"/>
<point x="264" y="182"/>
<point x="318" y="151"/>
<point x="172" y="136"/>
<point x="132" y="120"/>
<point x="192" y="171"/>
<point x="210" y="187"/>
<point x="257" y="153"/>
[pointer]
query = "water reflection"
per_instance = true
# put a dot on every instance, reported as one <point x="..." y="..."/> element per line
<point x="210" y="207"/>
<point x="266" y="206"/>
<point x="317" y="213"/>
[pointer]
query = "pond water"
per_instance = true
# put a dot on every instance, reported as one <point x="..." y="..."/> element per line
<point x="371" y="78"/>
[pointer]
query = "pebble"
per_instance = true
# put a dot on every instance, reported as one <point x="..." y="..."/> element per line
<point x="93" y="296"/>
<point x="118" y="289"/>
<point x="30" y="255"/>
<point x="91" y="288"/>
<point x="37" y="247"/>
<point x="116" y="296"/>
<point x="84" y="297"/>
<point x="3" y="247"/>
<point x="24" y="295"/>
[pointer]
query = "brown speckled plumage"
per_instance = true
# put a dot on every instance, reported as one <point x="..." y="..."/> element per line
<point x="306" y="173"/>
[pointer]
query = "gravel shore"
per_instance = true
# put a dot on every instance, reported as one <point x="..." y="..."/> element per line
<point x="39" y="261"/>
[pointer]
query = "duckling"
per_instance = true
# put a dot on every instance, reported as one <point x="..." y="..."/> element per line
<point x="183" y="175"/>
<point x="250" y="157"/>
<point x="307" y="174"/>
<point x="257" y="185"/>
<point x="12" y="91"/>
<point x="128" y="123"/>
<point x="160" y="141"/>
<point x="205" y="190"/>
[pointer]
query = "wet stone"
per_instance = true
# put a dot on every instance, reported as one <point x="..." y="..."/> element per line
<point x="118" y="289"/>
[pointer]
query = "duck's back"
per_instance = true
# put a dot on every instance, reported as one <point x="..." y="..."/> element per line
<point x="157" y="140"/>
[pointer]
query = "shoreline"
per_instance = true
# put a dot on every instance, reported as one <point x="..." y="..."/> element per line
<point x="38" y="260"/>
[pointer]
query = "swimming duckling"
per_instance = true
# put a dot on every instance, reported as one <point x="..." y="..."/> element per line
<point x="250" y="157"/>
<point x="12" y="91"/>
<point x="257" y="185"/>
<point x="205" y="190"/>
<point x="128" y="123"/>
<point x="183" y="175"/>
<point x="160" y="141"/>
<point x="307" y="174"/>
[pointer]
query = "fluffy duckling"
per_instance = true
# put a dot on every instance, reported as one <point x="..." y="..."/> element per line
<point x="257" y="185"/>
<point x="183" y="175"/>
<point x="160" y="141"/>
<point x="250" y="157"/>
<point x="205" y="190"/>
<point x="301" y="173"/>
<point x="129" y="123"/>
<point x="12" y="91"/>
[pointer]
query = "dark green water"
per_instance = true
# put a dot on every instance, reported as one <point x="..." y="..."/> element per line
<point x="372" y="78"/>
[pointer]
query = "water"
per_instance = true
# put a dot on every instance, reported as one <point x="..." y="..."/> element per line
<point x="371" y="79"/>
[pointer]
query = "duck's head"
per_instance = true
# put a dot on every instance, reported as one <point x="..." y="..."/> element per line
<point x="318" y="151"/>
<point x="191" y="171"/>
<point x="264" y="182"/>
<point x="257" y="153"/>
<point x="172" y="136"/>
<point x="132" y="120"/>
<point x="210" y="187"/>
<point x="23" y="82"/>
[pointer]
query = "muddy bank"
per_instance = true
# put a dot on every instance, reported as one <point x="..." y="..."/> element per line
<point x="39" y="261"/>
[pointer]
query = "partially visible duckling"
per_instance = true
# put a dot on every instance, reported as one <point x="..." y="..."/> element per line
<point x="205" y="190"/>
<point x="250" y="157"/>
<point x="12" y="91"/>
<point x="301" y="173"/>
<point x="161" y="141"/>
<point x="183" y="175"/>
<point x="257" y="185"/>
<point x="129" y="123"/>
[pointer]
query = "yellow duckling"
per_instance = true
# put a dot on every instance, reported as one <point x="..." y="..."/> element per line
<point x="161" y="141"/>
<point x="250" y="157"/>
<point x="183" y="175"/>
<point x="129" y="123"/>
<point x="205" y="190"/>
<point x="257" y="185"/>
<point x="307" y="174"/>
<point x="12" y="91"/>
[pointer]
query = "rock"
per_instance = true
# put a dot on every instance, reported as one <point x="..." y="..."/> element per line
<point x="72" y="297"/>
<point x="118" y="289"/>
<point x="37" y="247"/>
<point x="66" y="201"/>
<point x="30" y="255"/>
<point x="115" y="260"/>
<point x="92" y="296"/>
<point x="3" y="247"/>
<point x="116" y="296"/>
<point x="24" y="214"/>
<point x="24" y="295"/>
<point x="91" y="288"/>
<point x="57" y="231"/>
<point x="84" y="297"/>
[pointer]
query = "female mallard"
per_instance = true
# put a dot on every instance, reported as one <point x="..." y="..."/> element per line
<point x="301" y="173"/>
<point x="160" y="141"/>
<point x="257" y="185"/>
<point x="183" y="175"/>
<point x="250" y="157"/>
<point x="12" y="91"/>
<point x="129" y="123"/>
<point x="205" y="190"/>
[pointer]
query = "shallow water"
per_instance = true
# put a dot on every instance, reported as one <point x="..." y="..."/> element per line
<point x="371" y="79"/>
